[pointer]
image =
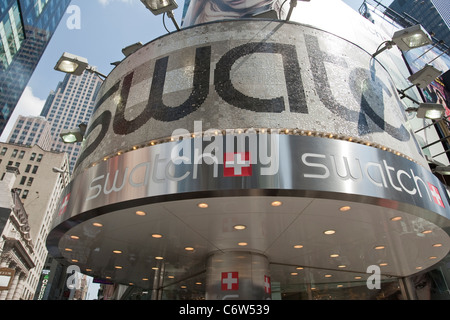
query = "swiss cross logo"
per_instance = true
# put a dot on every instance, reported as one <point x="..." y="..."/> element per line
<point x="230" y="281"/>
<point x="64" y="204"/>
<point x="267" y="285"/>
<point x="237" y="164"/>
<point x="436" y="195"/>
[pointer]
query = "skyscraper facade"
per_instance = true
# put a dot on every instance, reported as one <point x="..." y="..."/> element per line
<point x="31" y="131"/>
<point x="26" y="27"/>
<point x="433" y="15"/>
<point x="68" y="106"/>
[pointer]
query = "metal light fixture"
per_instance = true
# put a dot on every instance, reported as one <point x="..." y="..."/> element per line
<point x="407" y="39"/>
<point x="421" y="78"/>
<point x="162" y="6"/>
<point x="444" y="170"/>
<point x="76" y="65"/>
<point x="424" y="77"/>
<point x="73" y="135"/>
<point x="428" y="110"/>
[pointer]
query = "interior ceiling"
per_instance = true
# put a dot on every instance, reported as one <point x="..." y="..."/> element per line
<point x="409" y="244"/>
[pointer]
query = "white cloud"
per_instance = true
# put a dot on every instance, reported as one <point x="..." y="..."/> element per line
<point x="28" y="105"/>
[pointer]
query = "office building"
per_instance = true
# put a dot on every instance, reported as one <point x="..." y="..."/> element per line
<point x="16" y="246"/>
<point x="38" y="188"/>
<point x="248" y="158"/>
<point x="26" y="28"/>
<point x="70" y="105"/>
<point x="31" y="131"/>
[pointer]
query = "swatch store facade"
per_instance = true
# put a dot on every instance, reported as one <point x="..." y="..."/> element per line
<point x="245" y="158"/>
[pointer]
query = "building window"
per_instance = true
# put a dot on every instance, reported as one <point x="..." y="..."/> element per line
<point x="22" y="181"/>
<point x="21" y="154"/>
<point x="39" y="158"/>
<point x="14" y="154"/>
<point x="30" y="181"/>
<point x="33" y="156"/>
<point x="4" y="151"/>
<point x="35" y="169"/>
<point x="25" y="194"/>
<point x="28" y="168"/>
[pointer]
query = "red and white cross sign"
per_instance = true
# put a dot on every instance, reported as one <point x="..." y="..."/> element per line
<point x="237" y="164"/>
<point x="436" y="195"/>
<point x="230" y="281"/>
<point x="64" y="204"/>
<point x="267" y="285"/>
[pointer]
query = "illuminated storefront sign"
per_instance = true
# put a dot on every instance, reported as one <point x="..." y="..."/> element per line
<point x="300" y="164"/>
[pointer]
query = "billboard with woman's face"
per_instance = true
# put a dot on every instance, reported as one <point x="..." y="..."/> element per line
<point x="201" y="11"/>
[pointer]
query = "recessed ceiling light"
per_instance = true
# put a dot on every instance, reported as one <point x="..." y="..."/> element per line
<point x="342" y="266"/>
<point x="329" y="232"/>
<point x="427" y="231"/>
<point x="299" y="268"/>
<point x="276" y="203"/>
<point x="68" y="249"/>
<point x="242" y="244"/>
<point x="140" y="213"/>
<point x="396" y="218"/>
<point x="117" y="251"/>
<point x="189" y="249"/>
<point x="334" y="255"/>
<point x="108" y="277"/>
<point x="436" y="245"/>
<point x="340" y="285"/>
<point x="294" y="274"/>
<point x="157" y="236"/>
<point x="203" y="205"/>
<point x="131" y="284"/>
<point x="97" y="224"/>
<point x="155" y="268"/>
<point x="383" y="264"/>
<point x="144" y="279"/>
<point x="170" y="277"/>
<point x="183" y="287"/>
<point x="345" y="208"/>
<point x="379" y="247"/>
<point x="328" y="276"/>
<point x="198" y="283"/>
<point x="74" y="260"/>
<point x="88" y="270"/>
<point x="75" y="237"/>
<point x="419" y="268"/>
<point x="358" y="278"/>
<point x="298" y="246"/>
<point x="159" y="258"/>
<point x="118" y="267"/>
<point x="240" y="227"/>
<point x="432" y="257"/>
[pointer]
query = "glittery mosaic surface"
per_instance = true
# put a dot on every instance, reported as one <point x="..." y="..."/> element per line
<point x="247" y="74"/>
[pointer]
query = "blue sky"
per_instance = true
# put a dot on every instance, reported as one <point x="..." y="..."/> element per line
<point x="106" y="26"/>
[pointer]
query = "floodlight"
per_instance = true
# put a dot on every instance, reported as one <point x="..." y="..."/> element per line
<point x="162" y="6"/>
<point x="412" y="37"/>
<point x="444" y="170"/>
<point x="424" y="77"/>
<point x="69" y="63"/>
<point x="76" y="65"/>
<point x="132" y="49"/>
<point x="428" y="110"/>
<point x="73" y="135"/>
<point x="406" y="39"/>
